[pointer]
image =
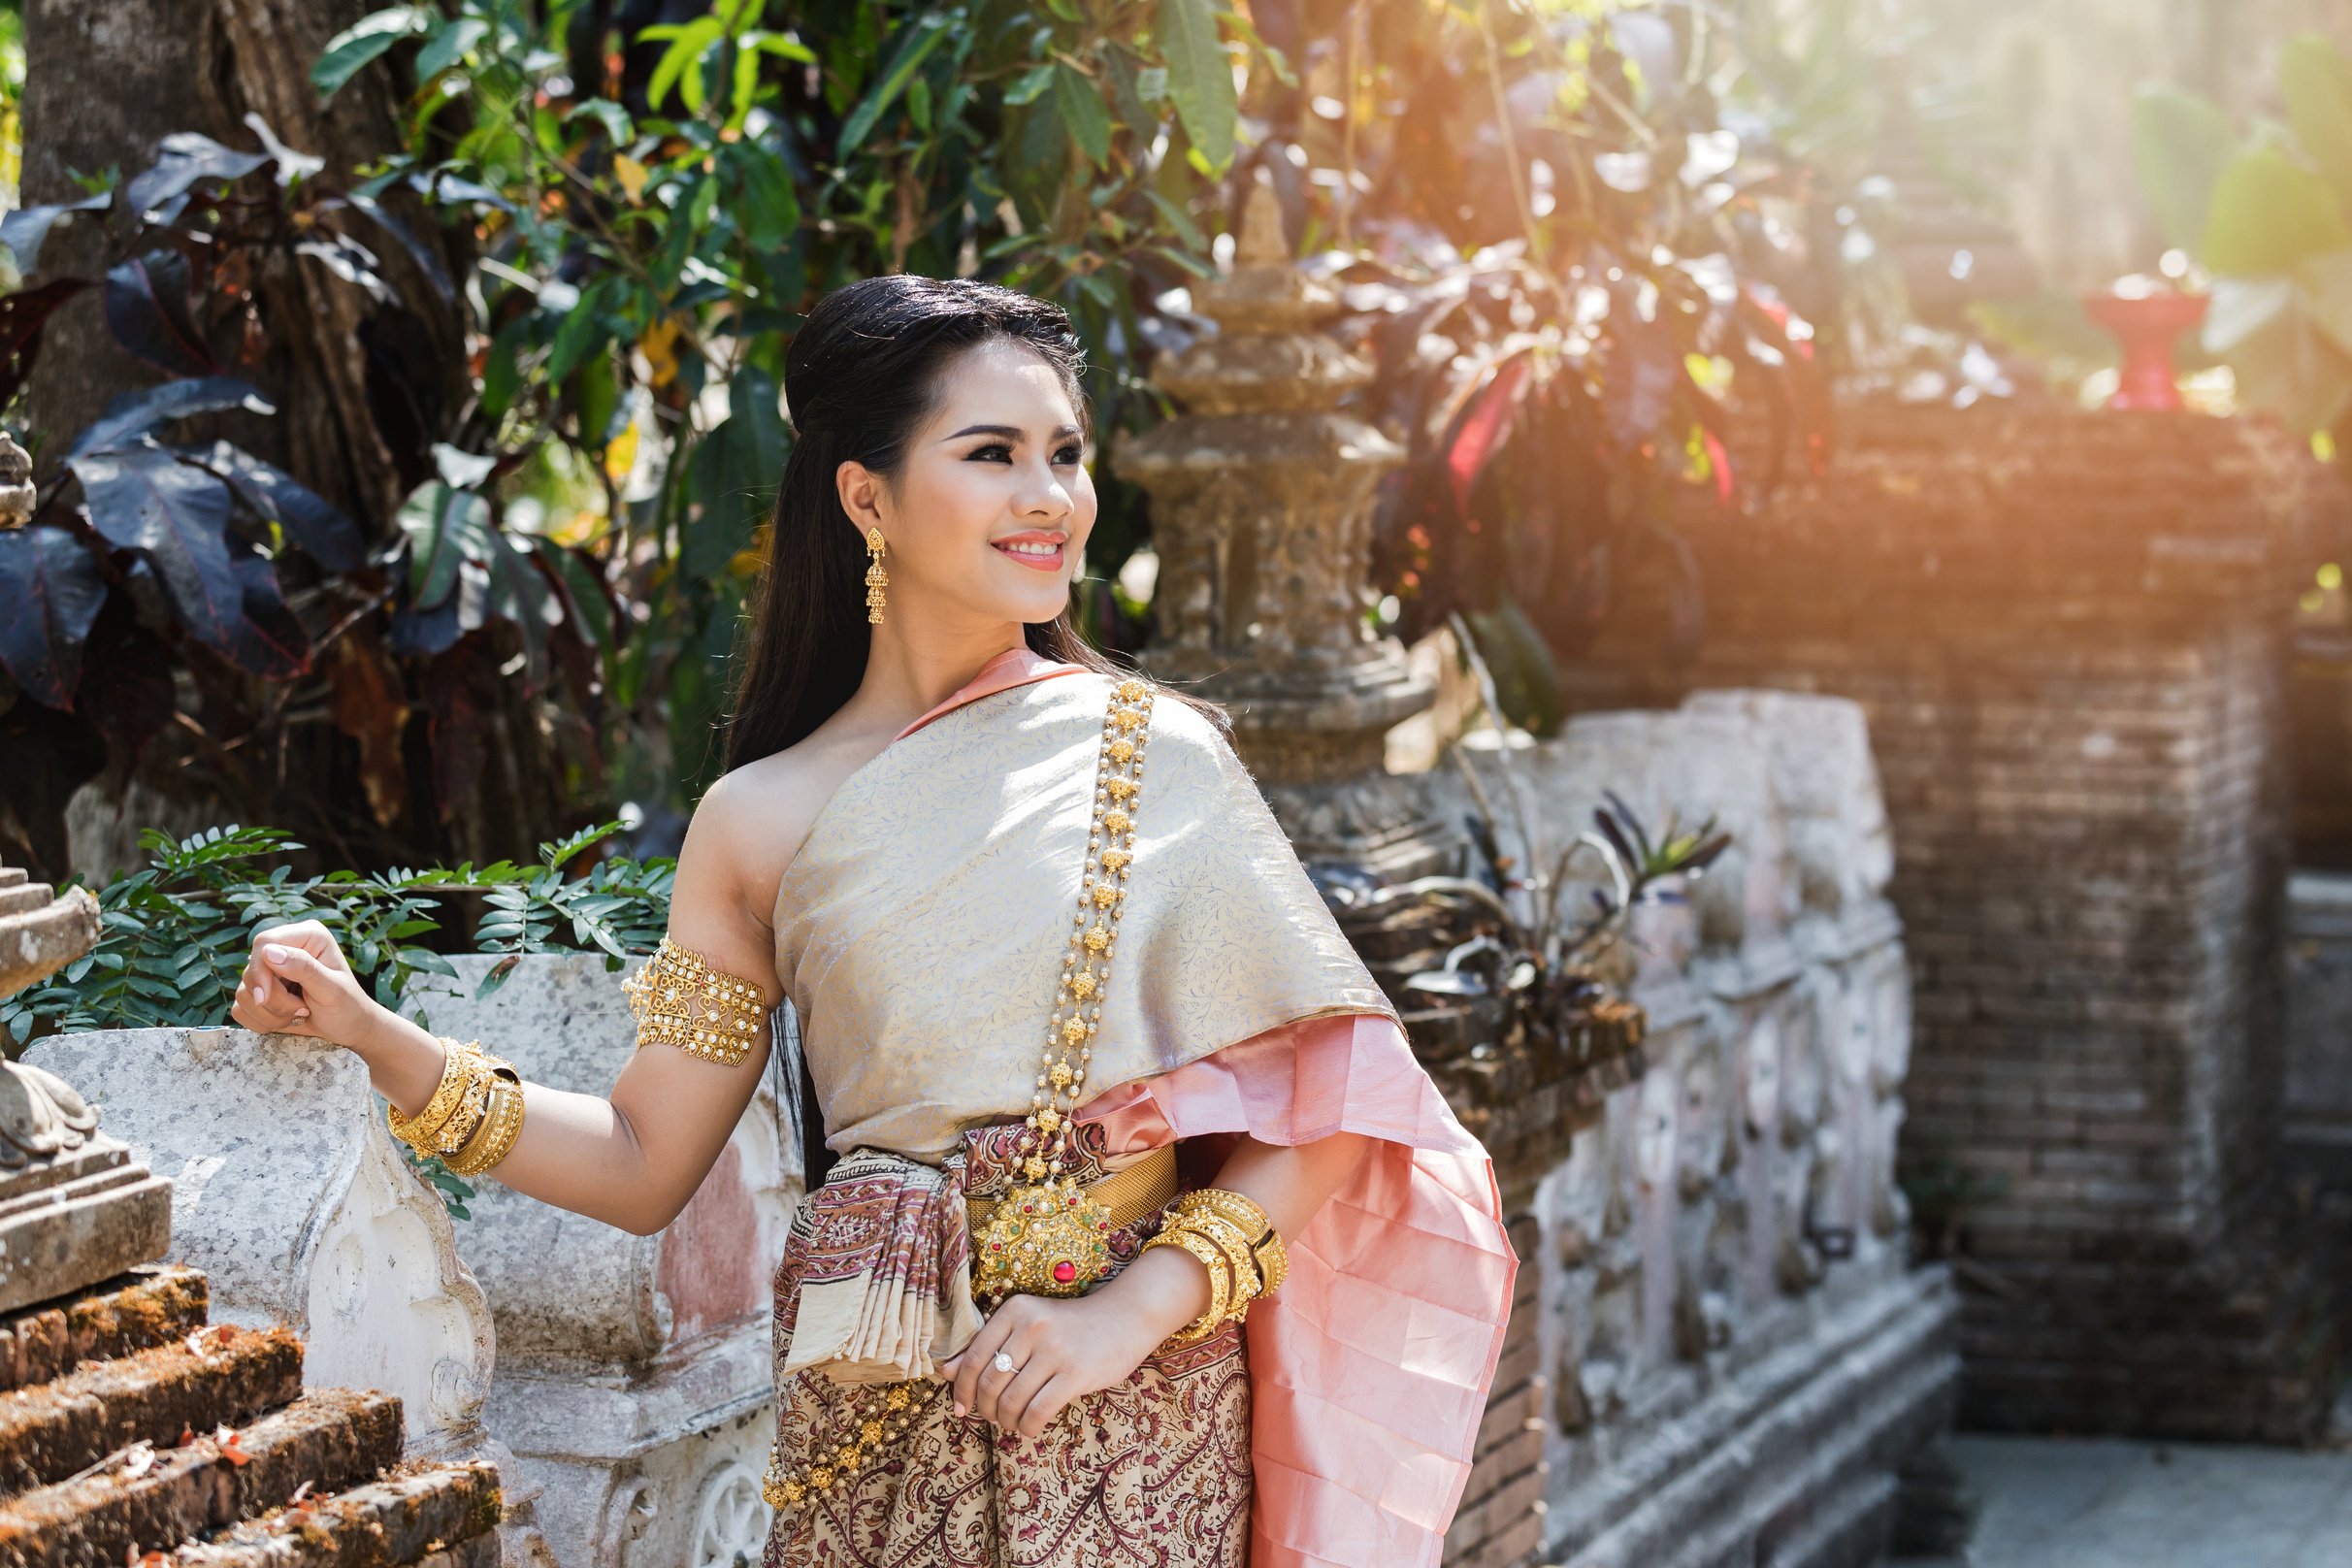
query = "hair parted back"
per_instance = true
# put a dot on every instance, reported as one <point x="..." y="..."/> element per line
<point x="861" y="376"/>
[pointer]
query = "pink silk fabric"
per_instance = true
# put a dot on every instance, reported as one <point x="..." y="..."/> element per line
<point x="1369" y="1369"/>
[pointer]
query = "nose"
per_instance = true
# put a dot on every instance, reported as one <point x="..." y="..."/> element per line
<point x="1043" y="495"/>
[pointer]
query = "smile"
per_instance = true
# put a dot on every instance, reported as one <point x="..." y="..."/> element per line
<point x="1044" y="555"/>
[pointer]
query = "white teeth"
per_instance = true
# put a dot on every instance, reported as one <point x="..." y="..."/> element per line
<point x="1029" y="549"/>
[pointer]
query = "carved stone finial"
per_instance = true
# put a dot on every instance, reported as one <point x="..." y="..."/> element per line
<point x="1261" y="515"/>
<point x="17" y="491"/>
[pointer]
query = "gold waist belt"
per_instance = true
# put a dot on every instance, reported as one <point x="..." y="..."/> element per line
<point x="1127" y="1194"/>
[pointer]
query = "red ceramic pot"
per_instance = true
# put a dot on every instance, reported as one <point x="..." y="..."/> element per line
<point x="2146" y="325"/>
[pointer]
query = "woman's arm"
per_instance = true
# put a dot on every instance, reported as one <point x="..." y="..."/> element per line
<point x="631" y="1159"/>
<point x="1062" y="1350"/>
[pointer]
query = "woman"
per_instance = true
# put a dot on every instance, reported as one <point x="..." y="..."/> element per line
<point x="1037" y="993"/>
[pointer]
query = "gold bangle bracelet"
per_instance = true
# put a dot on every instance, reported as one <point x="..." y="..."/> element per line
<point x="1212" y="1258"/>
<point x="502" y="1125"/>
<point x="419" y="1129"/>
<point x="1227" y="1238"/>
<point x="1267" y="1248"/>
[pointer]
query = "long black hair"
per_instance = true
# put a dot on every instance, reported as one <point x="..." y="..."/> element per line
<point x="863" y="374"/>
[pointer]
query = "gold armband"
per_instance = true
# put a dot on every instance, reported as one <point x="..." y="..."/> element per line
<point x="680" y="999"/>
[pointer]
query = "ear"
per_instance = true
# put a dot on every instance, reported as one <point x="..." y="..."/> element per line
<point x="862" y="493"/>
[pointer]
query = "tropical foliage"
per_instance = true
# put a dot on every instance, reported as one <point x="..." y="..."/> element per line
<point x="1568" y="235"/>
<point x="2269" y="215"/>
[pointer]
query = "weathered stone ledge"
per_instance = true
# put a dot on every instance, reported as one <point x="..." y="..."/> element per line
<point x="218" y="1373"/>
<point x="332" y="1438"/>
<point x="443" y="1518"/>
<point x="150" y="1305"/>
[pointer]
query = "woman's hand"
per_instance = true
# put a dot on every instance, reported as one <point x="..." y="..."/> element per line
<point x="1061" y="1351"/>
<point x="296" y="981"/>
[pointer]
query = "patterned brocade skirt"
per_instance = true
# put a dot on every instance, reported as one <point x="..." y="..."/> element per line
<point x="1153" y="1473"/>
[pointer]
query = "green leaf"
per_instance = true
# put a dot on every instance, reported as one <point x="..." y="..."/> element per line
<point x="2323" y="293"/>
<point x="782" y="47"/>
<point x="446" y="526"/>
<point x="2282" y="359"/>
<point x="449" y="46"/>
<point x="1201" y="77"/>
<point x="915" y="40"/>
<point x="1029" y="84"/>
<point x="1178" y="220"/>
<point x="2316" y="82"/>
<point x="584" y="328"/>
<point x="689" y="42"/>
<point x="732" y="475"/>
<point x="2268" y="213"/>
<point x="619" y="129"/>
<point x="771" y="210"/>
<point x="2183" y="142"/>
<point x="1083" y="114"/>
<point x="351" y="49"/>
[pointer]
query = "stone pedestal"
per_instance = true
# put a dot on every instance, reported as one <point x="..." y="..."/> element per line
<point x="2069" y="632"/>
<point x="1722" y="1355"/>
<point x="1261" y="495"/>
<point x="76" y="1207"/>
<point x="635" y="1383"/>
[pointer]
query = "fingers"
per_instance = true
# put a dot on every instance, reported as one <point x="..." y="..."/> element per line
<point x="295" y="965"/>
<point x="308" y="937"/>
<point x="1021" y="1386"/>
<point x="263" y="1003"/>
<point x="968" y="1363"/>
<point x="1050" y="1401"/>
<point x="990" y="1383"/>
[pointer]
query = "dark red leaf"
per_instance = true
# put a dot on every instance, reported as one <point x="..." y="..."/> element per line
<point x="182" y="159"/>
<point x="146" y="309"/>
<point x="54" y="590"/>
<point x="22" y="314"/>
<point x="26" y="229"/>
<point x="1485" y="421"/>
<point x="309" y="519"/>
<point x="135" y="414"/>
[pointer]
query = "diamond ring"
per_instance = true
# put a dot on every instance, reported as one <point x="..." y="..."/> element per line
<point x="1003" y="1362"/>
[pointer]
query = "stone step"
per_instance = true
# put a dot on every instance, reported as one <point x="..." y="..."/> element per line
<point x="158" y="1499"/>
<point x="152" y="1304"/>
<point x="218" y="1375"/>
<point x="443" y="1515"/>
<point x="12" y="876"/>
<point x="22" y="897"/>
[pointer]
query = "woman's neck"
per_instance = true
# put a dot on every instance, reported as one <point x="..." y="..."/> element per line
<point x="912" y="673"/>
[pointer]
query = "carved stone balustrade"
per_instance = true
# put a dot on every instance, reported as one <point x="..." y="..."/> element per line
<point x="1721" y="1351"/>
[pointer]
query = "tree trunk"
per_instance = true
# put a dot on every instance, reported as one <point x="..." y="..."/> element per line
<point x="103" y="86"/>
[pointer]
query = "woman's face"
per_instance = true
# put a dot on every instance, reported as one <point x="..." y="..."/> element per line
<point x="988" y="510"/>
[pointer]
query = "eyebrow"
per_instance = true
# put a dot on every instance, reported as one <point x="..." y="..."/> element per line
<point x="1008" y="432"/>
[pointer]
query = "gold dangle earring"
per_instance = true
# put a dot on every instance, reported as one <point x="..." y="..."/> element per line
<point x="875" y="578"/>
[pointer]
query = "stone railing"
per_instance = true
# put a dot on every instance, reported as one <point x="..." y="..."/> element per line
<point x="1720" y="1352"/>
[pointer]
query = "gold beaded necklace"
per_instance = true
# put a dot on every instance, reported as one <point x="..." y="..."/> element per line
<point x="1047" y="1236"/>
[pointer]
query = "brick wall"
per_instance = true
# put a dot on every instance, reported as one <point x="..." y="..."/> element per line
<point x="2068" y="633"/>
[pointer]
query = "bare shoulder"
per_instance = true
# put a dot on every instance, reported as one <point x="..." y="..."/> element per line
<point x="751" y="823"/>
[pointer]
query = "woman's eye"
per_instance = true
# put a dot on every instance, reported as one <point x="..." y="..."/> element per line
<point x="1070" y="454"/>
<point x="999" y="451"/>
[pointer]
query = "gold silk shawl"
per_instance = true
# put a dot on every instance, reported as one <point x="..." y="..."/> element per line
<point x="921" y="926"/>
